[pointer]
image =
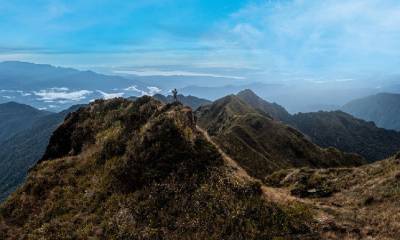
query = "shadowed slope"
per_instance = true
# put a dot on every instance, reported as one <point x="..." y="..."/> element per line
<point x="15" y="117"/>
<point x="22" y="150"/>
<point x="347" y="133"/>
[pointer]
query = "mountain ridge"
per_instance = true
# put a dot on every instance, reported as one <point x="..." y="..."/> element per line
<point x="261" y="144"/>
<point x="335" y="129"/>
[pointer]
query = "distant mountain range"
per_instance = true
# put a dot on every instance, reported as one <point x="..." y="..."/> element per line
<point x="55" y="88"/>
<point x="295" y="97"/>
<point x="382" y="108"/>
<point x="190" y="101"/>
<point x="217" y="92"/>
<point x="29" y="76"/>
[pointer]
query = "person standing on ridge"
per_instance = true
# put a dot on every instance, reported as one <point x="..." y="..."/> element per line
<point x="175" y="95"/>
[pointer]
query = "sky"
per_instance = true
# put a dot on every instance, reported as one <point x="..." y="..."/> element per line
<point x="283" y="39"/>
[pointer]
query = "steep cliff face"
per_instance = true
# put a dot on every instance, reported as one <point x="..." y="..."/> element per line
<point x="119" y="169"/>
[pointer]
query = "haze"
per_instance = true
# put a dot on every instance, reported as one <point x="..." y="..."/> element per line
<point x="321" y="54"/>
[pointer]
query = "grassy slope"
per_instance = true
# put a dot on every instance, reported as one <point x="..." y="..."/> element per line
<point x="262" y="145"/>
<point x="140" y="170"/>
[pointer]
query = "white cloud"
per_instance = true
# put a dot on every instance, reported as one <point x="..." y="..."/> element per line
<point x="151" y="90"/>
<point x="110" y="95"/>
<point x="154" y="72"/>
<point x="8" y="97"/>
<point x="61" y="94"/>
<point x="59" y="89"/>
<point x="344" y="80"/>
<point x="133" y="88"/>
<point x="22" y="93"/>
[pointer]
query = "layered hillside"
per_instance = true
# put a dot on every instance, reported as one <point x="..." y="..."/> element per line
<point x="120" y="169"/>
<point x="15" y="117"/>
<point x="359" y="203"/>
<point x="349" y="134"/>
<point x="382" y="108"/>
<point x="262" y="145"/>
<point x="25" y="147"/>
<point x="334" y="129"/>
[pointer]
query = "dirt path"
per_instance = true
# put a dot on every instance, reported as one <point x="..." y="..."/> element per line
<point x="276" y="195"/>
<point x="228" y="160"/>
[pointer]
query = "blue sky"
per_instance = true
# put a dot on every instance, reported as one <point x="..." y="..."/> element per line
<point x="286" y="38"/>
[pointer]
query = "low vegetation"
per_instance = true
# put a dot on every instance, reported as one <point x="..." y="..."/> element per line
<point x="139" y="170"/>
<point x="353" y="203"/>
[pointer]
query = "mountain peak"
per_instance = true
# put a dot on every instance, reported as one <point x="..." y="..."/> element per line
<point x="247" y="92"/>
<point x="276" y="111"/>
<point x="82" y="127"/>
